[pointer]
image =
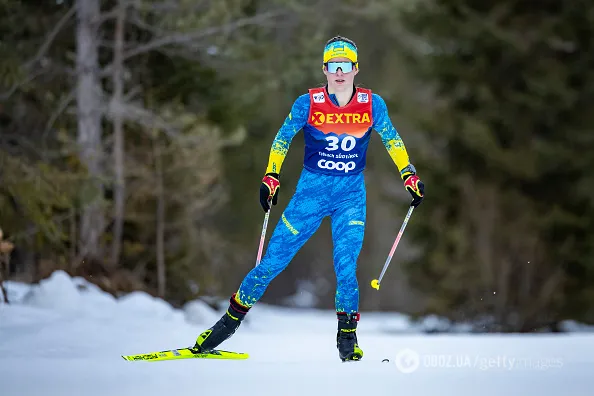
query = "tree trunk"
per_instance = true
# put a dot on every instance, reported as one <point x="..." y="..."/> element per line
<point x="89" y="113"/>
<point x="118" y="130"/>
<point x="73" y="237"/>
<point x="161" y="274"/>
<point x="2" y="269"/>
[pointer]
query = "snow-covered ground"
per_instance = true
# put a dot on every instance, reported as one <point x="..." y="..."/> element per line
<point x="65" y="337"/>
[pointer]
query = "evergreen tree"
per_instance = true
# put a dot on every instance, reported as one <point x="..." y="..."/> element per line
<point x="506" y="226"/>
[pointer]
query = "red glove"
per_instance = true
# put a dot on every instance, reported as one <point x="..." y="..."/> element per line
<point x="269" y="190"/>
<point x="416" y="188"/>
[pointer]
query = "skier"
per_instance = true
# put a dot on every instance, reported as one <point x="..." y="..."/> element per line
<point x="337" y="120"/>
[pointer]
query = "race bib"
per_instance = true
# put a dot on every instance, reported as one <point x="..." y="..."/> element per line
<point x="336" y="138"/>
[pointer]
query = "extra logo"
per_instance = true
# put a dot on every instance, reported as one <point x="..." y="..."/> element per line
<point x="319" y="118"/>
<point x="362" y="97"/>
<point x="319" y="97"/>
<point x="346" y="167"/>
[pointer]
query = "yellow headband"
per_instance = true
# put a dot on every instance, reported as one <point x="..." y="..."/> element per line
<point x="340" y="49"/>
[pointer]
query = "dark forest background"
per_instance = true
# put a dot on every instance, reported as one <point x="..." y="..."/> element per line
<point x="134" y="135"/>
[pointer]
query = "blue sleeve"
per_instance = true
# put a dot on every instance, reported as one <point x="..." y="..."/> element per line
<point x="390" y="136"/>
<point x="296" y="120"/>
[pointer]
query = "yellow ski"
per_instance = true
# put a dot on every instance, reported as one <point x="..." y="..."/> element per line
<point x="186" y="353"/>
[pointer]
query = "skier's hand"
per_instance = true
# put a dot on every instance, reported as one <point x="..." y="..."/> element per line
<point x="269" y="190"/>
<point x="416" y="188"/>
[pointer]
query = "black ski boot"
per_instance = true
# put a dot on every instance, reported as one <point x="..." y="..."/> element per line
<point x="223" y="329"/>
<point x="346" y="338"/>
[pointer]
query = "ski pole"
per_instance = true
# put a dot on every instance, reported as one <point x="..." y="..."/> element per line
<point x="263" y="236"/>
<point x="376" y="282"/>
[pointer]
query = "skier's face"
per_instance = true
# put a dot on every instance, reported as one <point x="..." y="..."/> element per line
<point x="340" y="80"/>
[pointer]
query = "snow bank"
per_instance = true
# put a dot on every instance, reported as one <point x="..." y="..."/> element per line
<point x="572" y="326"/>
<point x="15" y="291"/>
<point x="57" y="292"/>
<point x="75" y="296"/>
<point x="199" y="312"/>
<point x="142" y="304"/>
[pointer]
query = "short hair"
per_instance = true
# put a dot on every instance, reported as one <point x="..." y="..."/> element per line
<point x="340" y="38"/>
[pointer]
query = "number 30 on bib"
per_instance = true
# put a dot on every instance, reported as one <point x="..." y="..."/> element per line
<point x="346" y="144"/>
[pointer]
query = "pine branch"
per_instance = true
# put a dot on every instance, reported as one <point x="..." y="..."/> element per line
<point x="41" y="52"/>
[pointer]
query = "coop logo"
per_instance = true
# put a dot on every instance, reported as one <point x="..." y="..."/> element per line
<point x="319" y="118"/>
<point x="340" y="166"/>
<point x="319" y="97"/>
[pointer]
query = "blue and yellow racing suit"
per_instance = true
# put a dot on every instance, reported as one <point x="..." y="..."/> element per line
<point x="331" y="184"/>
